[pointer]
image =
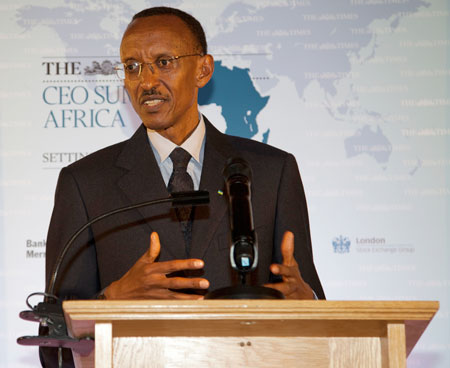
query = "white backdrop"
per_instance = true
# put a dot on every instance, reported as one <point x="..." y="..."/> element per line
<point x="358" y="90"/>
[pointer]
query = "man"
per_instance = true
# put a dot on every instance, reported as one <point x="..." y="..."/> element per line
<point x="165" y="62"/>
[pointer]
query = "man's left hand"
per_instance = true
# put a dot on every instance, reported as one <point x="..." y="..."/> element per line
<point x="293" y="286"/>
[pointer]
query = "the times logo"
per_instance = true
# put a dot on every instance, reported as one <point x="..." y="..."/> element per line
<point x="82" y="94"/>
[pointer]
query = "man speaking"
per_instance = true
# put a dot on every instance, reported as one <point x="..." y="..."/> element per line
<point x="157" y="252"/>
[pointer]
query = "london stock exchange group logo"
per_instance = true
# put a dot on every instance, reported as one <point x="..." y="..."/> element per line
<point x="341" y="244"/>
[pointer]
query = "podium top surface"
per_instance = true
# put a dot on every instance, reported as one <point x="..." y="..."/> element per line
<point x="255" y="309"/>
<point x="222" y="318"/>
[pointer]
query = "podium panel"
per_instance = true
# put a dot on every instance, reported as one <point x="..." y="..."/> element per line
<point x="248" y="333"/>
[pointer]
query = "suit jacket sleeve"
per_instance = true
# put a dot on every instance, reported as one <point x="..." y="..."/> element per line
<point x="78" y="276"/>
<point x="292" y="214"/>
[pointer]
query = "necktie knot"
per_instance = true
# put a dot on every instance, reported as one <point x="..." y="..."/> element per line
<point x="180" y="159"/>
<point x="180" y="179"/>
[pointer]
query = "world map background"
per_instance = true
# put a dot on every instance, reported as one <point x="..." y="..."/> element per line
<point x="357" y="90"/>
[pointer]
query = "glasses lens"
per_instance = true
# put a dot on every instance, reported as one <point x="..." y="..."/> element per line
<point x="120" y="71"/>
<point x="132" y="70"/>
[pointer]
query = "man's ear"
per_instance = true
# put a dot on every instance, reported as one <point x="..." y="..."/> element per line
<point x="205" y="70"/>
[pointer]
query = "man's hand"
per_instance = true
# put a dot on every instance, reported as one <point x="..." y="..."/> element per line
<point x="293" y="286"/>
<point x="147" y="278"/>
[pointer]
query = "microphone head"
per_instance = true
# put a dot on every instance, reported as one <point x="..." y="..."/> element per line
<point x="237" y="166"/>
<point x="191" y="198"/>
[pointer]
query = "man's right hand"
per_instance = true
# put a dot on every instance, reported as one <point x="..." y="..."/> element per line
<point x="147" y="279"/>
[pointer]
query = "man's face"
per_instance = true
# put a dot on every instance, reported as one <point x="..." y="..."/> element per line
<point x="166" y="102"/>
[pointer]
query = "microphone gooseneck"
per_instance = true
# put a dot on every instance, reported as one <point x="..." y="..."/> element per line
<point x="49" y="313"/>
<point x="193" y="198"/>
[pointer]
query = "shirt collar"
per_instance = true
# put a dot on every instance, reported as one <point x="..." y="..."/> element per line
<point x="193" y="144"/>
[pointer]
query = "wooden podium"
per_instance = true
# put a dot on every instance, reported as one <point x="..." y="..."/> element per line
<point x="248" y="333"/>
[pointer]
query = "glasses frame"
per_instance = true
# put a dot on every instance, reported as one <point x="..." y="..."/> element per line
<point x="120" y="69"/>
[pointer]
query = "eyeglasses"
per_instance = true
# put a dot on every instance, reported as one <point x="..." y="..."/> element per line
<point x="132" y="70"/>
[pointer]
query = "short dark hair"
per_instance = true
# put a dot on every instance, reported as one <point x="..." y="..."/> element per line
<point x="193" y="24"/>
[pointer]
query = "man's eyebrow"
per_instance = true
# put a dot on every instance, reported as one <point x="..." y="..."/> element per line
<point x="163" y="54"/>
<point x="156" y="57"/>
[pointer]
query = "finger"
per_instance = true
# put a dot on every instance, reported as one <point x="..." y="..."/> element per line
<point x="175" y="265"/>
<point x="287" y="248"/>
<point x="169" y="294"/>
<point x="285" y="271"/>
<point x="155" y="246"/>
<point x="185" y="283"/>
<point x="284" y="287"/>
<point x="183" y="296"/>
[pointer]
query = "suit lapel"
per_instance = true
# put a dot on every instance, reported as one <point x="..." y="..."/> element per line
<point x="208" y="218"/>
<point x="143" y="182"/>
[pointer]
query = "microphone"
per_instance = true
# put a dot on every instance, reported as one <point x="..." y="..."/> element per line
<point x="51" y="316"/>
<point x="244" y="246"/>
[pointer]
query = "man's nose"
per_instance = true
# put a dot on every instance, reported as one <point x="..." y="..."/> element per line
<point x="149" y="76"/>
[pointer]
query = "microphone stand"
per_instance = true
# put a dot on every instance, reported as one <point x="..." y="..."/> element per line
<point x="244" y="291"/>
<point x="244" y="259"/>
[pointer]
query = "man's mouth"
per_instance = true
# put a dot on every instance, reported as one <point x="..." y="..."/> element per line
<point x="153" y="102"/>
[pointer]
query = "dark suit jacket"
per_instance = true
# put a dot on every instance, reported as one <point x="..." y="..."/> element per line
<point x="127" y="173"/>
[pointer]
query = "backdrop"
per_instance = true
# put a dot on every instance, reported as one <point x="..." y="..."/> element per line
<point x="358" y="90"/>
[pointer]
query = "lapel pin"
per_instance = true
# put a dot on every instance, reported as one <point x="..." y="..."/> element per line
<point x="220" y="192"/>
